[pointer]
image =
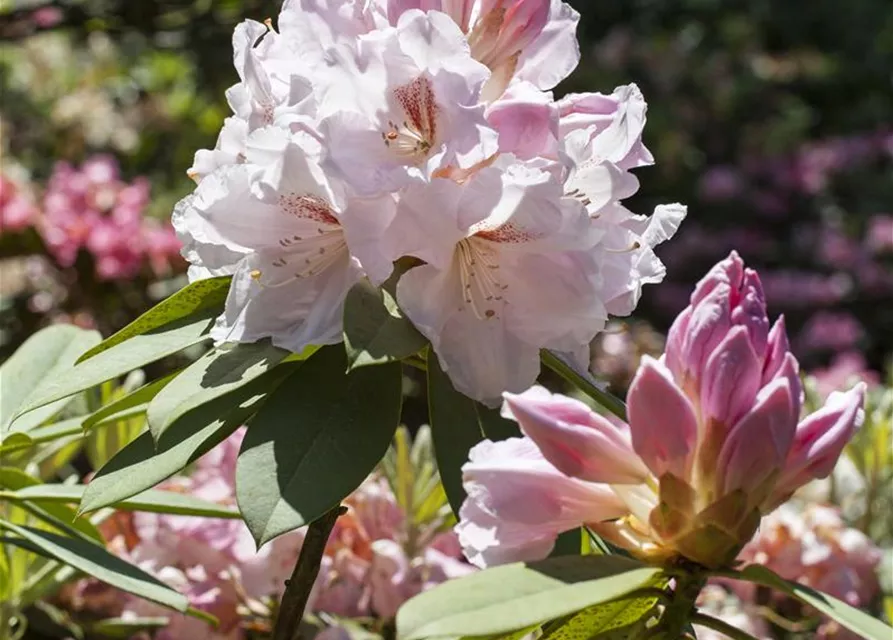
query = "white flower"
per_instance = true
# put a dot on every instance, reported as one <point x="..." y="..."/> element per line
<point x="510" y="270"/>
<point x="275" y="222"/>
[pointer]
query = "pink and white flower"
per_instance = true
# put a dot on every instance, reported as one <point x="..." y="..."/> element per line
<point x="712" y="442"/>
<point x="365" y="132"/>
<point x="510" y="269"/>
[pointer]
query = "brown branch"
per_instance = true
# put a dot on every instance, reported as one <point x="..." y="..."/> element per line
<point x="299" y="586"/>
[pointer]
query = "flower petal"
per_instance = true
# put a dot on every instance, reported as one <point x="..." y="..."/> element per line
<point x="579" y="442"/>
<point x="662" y="420"/>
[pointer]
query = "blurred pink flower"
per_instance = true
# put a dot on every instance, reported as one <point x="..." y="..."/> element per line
<point x="815" y="547"/>
<point x="17" y="208"/>
<point x="830" y="331"/>
<point x="372" y="565"/>
<point x="92" y="208"/>
<point x="845" y="369"/>
<point x="879" y="236"/>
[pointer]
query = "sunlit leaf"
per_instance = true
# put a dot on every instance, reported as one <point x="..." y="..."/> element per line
<point x="142" y="464"/>
<point x="201" y="295"/>
<point x="154" y="500"/>
<point x="218" y="373"/>
<point x="13" y="481"/>
<point x="314" y="441"/>
<point x="113" y="362"/>
<point x="41" y="358"/>
<point x="95" y="561"/>
<point x="518" y="595"/>
<point x="134" y="403"/>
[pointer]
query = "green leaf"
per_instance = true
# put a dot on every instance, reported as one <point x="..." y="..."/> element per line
<point x="314" y="441"/>
<point x="154" y="500"/>
<point x="142" y="464"/>
<point x="216" y="374"/>
<point x="41" y="435"/>
<point x="15" y="480"/>
<point x="518" y="595"/>
<point x="111" y="363"/>
<point x="126" y="627"/>
<point x="601" y="619"/>
<point x="41" y="358"/>
<point x="202" y="295"/>
<point x="95" y="561"/>
<point x="583" y="381"/>
<point x="375" y="330"/>
<point x="839" y="611"/>
<point x="134" y="403"/>
<point x="103" y="443"/>
<point x="454" y="427"/>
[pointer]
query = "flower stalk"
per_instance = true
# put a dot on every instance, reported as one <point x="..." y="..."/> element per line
<point x="299" y="586"/>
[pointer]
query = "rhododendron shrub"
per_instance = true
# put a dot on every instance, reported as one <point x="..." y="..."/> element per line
<point x="398" y="196"/>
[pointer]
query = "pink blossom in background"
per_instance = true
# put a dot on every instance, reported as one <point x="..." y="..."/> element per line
<point x="846" y="369"/>
<point x="677" y="472"/>
<point x="879" y="235"/>
<point x="47" y="17"/>
<point x="372" y="562"/>
<point x="371" y="566"/>
<point x="17" y="208"/>
<point x="720" y="183"/>
<point x="811" y="544"/>
<point x="830" y="331"/>
<point x="792" y="288"/>
<point x="91" y="208"/>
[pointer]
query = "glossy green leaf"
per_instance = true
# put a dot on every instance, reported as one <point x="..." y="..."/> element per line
<point x="314" y="441"/>
<point x="454" y="427"/>
<point x="134" y="403"/>
<point x="111" y="363"/>
<point x="200" y="296"/>
<point x="375" y="330"/>
<point x="216" y="374"/>
<point x="142" y="464"/>
<point x="41" y="358"/>
<point x="12" y="481"/>
<point x="518" y="595"/>
<point x="41" y="435"/>
<point x="853" y="619"/>
<point x="600" y="619"/>
<point x="155" y="500"/>
<point x="95" y="561"/>
<point x="126" y="627"/>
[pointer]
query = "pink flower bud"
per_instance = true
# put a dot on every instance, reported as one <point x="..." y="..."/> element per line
<point x="713" y="443"/>
<point x="662" y="420"/>
<point x="578" y="441"/>
<point x="819" y="440"/>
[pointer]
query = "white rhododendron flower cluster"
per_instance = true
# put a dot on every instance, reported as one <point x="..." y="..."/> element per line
<point x="365" y="131"/>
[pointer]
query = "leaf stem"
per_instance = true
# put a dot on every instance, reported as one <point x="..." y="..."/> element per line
<point x="610" y="402"/>
<point x="723" y="627"/>
<point x="298" y="587"/>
